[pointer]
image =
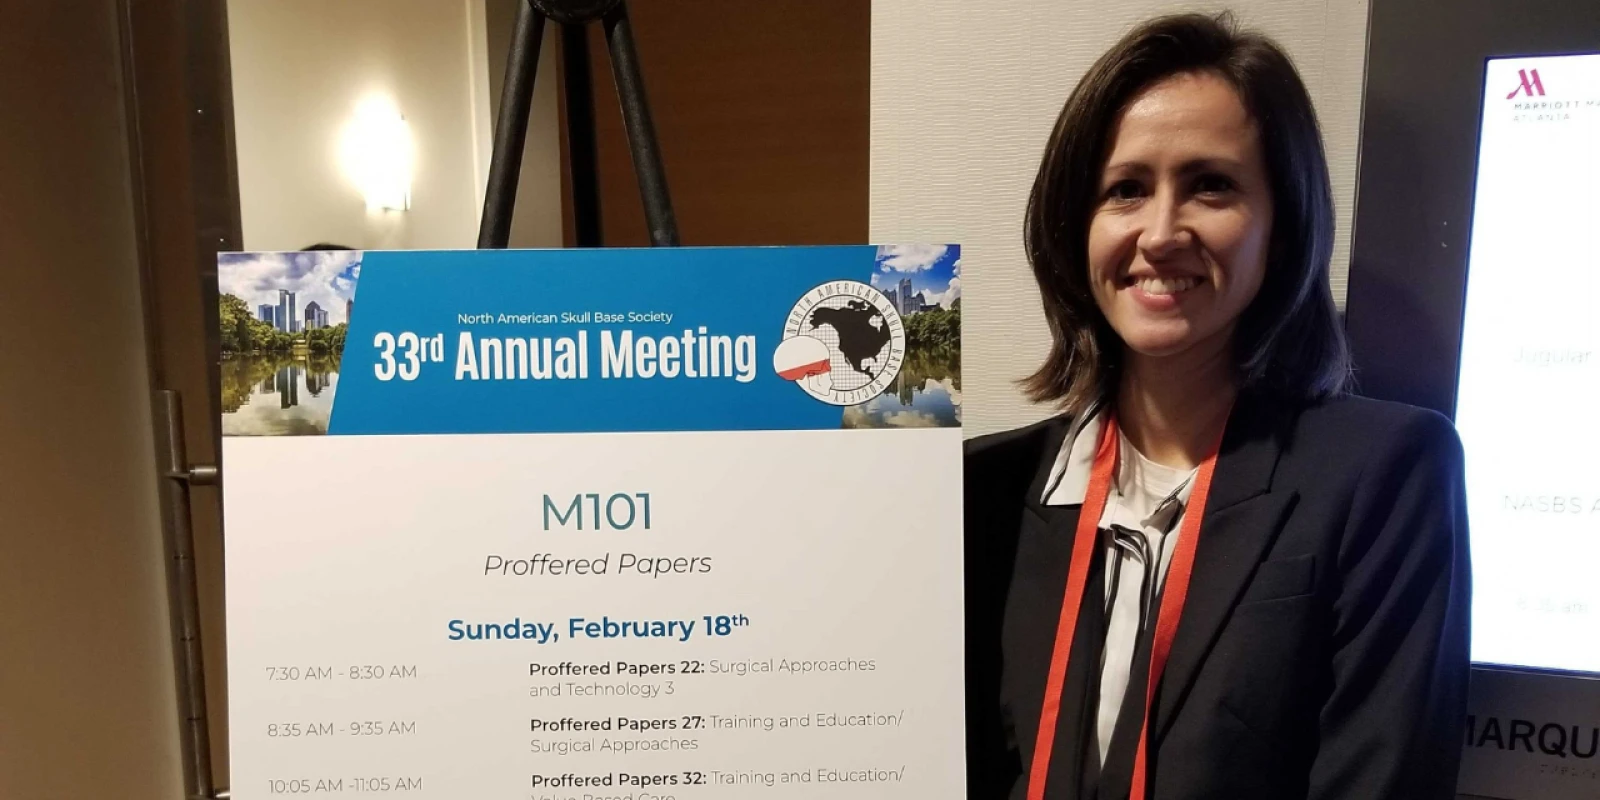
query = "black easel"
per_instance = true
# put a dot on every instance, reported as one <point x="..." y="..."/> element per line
<point x="516" y="96"/>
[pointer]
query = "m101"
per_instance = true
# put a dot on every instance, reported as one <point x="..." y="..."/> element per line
<point x="597" y="512"/>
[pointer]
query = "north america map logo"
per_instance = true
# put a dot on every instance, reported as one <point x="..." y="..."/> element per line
<point x="843" y="343"/>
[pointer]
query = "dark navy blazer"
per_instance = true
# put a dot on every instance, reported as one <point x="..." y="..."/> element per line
<point x="1323" y="649"/>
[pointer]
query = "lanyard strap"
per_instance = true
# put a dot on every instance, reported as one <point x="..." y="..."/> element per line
<point x="1172" y="599"/>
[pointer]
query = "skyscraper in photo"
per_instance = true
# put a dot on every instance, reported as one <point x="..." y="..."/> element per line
<point x="288" y="321"/>
<point x="316" y="317"/>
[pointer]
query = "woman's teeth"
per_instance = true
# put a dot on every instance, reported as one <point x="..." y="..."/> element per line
<point x="1162" y="286"/>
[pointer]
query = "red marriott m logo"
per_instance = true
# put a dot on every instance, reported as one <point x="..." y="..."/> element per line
<point x="1530" y="84"/>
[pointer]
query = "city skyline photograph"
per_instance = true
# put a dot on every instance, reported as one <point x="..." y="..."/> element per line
<point x="932" y="272"/>
<point x="283" y="319"/>
<point x="923" y="283"/>
<point x="324" y="277"/>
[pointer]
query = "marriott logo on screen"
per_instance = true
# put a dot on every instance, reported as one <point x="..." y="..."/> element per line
<point x="1530" y="83"/>
<point x="1550" y="738"/>
<point x="1531" y="103"/>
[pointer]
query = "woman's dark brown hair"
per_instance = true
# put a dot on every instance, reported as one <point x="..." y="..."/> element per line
<point x="1288" y="341"/>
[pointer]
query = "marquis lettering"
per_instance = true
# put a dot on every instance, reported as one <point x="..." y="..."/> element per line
<point x="1551" y="738"/>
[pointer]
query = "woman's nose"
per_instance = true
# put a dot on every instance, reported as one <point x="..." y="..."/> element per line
<point x="1164" y="229"/>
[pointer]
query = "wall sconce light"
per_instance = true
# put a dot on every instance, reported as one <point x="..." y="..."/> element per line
<point x="377" y="153"/>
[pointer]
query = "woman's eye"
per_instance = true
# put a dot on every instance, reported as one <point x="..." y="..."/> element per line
<point x="1124" y="191"/>
<point x="1213" y="184"/>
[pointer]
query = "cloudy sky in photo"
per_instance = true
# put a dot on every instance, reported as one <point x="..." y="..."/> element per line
<point x="326" y="277"/>
<point x="934" y="270"/>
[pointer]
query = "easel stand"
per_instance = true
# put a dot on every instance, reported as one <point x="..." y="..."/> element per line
<point x="516" y="97"/>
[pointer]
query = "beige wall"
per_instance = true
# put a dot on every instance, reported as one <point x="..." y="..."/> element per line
<point x="299" y="69"/>
<point x="963" y="98"/>
<point x="87" y="703"/>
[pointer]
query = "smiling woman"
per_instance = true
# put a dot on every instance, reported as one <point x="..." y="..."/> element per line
<point x="1178" y="242"/>
<point x="1191" y="121"/>
<point x="1215" y="574"/>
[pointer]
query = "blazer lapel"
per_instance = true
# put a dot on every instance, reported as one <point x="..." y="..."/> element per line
<point x="1242" y="518"/>
<point x="1055" y="436"/>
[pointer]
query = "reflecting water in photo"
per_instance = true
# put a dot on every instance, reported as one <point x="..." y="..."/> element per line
<point x="926" y="394"/>
<point x="278" y="394"/>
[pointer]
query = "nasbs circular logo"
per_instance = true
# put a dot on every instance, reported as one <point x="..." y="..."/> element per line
<point x="843" y="343"/>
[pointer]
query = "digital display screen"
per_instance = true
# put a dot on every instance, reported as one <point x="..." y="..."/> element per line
<point x="1528" y="401"/>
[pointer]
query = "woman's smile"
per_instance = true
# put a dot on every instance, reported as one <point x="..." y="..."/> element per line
<point x="1158" y="294"/>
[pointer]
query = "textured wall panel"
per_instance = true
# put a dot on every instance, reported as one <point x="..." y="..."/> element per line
<point x="963" y="97"/>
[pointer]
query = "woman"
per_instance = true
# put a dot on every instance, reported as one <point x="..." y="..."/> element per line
<point x="1308" y="639"/>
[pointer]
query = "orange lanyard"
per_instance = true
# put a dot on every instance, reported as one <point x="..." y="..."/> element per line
<point x="1172" y="598"/>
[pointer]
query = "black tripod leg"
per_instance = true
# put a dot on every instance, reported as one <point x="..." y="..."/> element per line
<point x="582" y="159"/>
<point x="511" y="129"/>
<point x="641" y="131"/>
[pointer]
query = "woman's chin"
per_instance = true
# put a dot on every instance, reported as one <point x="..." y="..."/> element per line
<point x="1159" y="343"/>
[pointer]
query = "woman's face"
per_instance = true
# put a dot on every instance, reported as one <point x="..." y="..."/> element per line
<point x="1178" y="239"/>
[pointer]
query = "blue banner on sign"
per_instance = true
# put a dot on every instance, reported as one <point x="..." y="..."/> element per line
<point x="666" y="339"/>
